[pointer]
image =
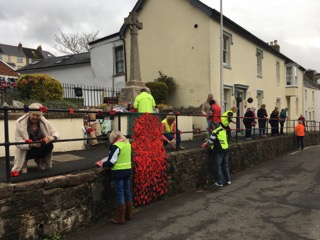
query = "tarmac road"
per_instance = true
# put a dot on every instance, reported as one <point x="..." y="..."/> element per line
<point x="278" y="199"/>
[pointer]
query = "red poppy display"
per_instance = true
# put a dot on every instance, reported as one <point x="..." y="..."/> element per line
<point x="149" y="159"/>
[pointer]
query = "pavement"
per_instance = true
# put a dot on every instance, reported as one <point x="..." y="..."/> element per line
<point x="277" y="199"/>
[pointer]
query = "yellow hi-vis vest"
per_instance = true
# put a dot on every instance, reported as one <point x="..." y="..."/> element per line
<point x="169" y="128"/>
<point x="225" y="118"/>
<point x="124" y="158"/>
<point x="221" y="135"/>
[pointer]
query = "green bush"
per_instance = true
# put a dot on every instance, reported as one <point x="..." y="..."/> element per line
<point x="159" y="91"/>
<point x="40" y="87"/>
<point x="169" y="81"/>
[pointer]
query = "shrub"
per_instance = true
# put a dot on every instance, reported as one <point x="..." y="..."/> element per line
<point x="159" y="91"/>
<point x="40" y="87"/>
<point x="169" y="81"/>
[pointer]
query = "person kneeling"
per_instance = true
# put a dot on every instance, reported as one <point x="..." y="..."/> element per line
<point x="33" y="127"/>
<point x="169" y="134"/>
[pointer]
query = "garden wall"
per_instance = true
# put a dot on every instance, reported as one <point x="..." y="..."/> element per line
<point x="30" y="210"/>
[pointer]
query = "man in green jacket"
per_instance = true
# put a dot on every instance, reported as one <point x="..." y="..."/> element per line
<point x="144" y="102"/>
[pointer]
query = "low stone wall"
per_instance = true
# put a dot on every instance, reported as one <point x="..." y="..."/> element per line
<point x="60" y="204"/>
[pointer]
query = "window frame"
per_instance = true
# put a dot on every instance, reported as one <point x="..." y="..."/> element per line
<point x="259" y="55"/>
<point x="227" y="42"/>
<point x="292" y="78"/>
<point x="277" y="73"/>
<point x="119" y="67"/>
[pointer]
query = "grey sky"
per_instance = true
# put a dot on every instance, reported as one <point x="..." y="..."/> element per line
<point x="294" y="23"/>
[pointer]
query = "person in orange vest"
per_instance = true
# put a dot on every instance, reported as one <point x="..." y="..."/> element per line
<point x="300" y="134"/>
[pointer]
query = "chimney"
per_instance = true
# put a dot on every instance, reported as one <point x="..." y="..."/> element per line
<point x="275" y="45"/>
<point x="39" y="48"/>
<point x="310" y="74"/>
<point x="271" y="43"/>
<point x="20" y="45"/>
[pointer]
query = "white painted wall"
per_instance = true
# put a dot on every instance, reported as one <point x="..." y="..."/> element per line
<point x="75" y="74"/>
<point x="102" y="63"/>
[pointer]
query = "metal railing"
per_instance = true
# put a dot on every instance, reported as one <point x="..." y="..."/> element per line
<point x="238" y="132"/>
<point x="90" y="96"/>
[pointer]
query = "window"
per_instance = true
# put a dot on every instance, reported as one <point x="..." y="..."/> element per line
<point x="312" y="97"/>
<point x="119" y="60"/>
<point x="0" y="56"/>
<point x="227" y="41"/>
<point x="259" y="55"/>
<point x="20" y="60"/>
<point x="9" y="59"/>
<point x="291" y="75"/>
<point x="278" y="73"/>
<point x="305" y="96"/>
<point x="259" y="97"/>
<point x="278" y="102"/>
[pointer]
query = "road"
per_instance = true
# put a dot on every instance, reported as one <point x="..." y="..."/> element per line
<point x="278" y="199"/>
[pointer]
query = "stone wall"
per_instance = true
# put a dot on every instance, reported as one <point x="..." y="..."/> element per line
<point x="60" y="204"/>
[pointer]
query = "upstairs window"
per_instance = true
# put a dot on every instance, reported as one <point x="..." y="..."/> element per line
<point x="227" y="41"/>
<point x="0" y="56"/>
<point x="278" y="73"/>
<point x="291" y="75"/>
<point x="259" y="55"/>
<point x="20" y="60"/>
<point x="119" y="60"/>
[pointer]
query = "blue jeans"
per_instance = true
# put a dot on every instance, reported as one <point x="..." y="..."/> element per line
<point x="170" y="136"/>
<point x="221" y="165"/>
<point x="122" y="187"/>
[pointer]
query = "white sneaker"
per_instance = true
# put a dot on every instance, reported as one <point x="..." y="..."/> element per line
<point x="218" y="185"/>
<point x="229" y="183"/>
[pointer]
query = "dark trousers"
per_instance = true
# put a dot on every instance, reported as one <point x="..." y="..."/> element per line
<point x="248" y="130"/>
<point x="281" y="127"/>
<point x="170" y="136"/>
<point x="300" y="142"/>
<point x="40" y="152"/>
<point x="274" y="128"/>
<point x="262" y="127"/>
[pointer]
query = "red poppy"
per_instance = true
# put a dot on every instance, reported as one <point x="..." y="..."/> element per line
<point x="71" y="111"/>
<point x="99" y="112"/>
<point x="43" y="109"/>
<point x="90" y="130"/>
<point x="14" y="173"/>
<point x="28" y="141"/>
<point x="112" y="112"/>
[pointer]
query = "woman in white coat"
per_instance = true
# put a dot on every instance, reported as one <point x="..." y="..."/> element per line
<point x="29" y="128"/>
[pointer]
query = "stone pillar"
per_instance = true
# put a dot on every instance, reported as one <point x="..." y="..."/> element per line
<point x="134" y="85"/>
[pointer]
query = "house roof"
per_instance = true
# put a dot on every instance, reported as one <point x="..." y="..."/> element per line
<point x="104" y="38"/>
<point x="215" y="15"/>
<point x="307" y="82"/>
<point x="20" y="51"/>
<point x="11" y="50"/>
<point x="55" y="62"/>
<point x="7" y="70"/>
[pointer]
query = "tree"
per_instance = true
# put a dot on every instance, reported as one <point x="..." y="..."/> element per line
<point x="74" y="42"/>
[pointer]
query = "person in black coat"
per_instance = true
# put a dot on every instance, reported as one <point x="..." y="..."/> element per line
<point x="249" y="121"/>
<point x="262" y="120"/>
<point x="274" y="122"/>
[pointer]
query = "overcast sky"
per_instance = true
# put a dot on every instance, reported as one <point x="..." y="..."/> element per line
<point x="294" y="23"/>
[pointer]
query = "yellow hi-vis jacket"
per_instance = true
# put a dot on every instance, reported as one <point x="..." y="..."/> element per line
<point x="124" y="158"/>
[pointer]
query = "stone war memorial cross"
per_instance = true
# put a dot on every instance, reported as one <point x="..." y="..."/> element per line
<point x="134" y="85"/>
